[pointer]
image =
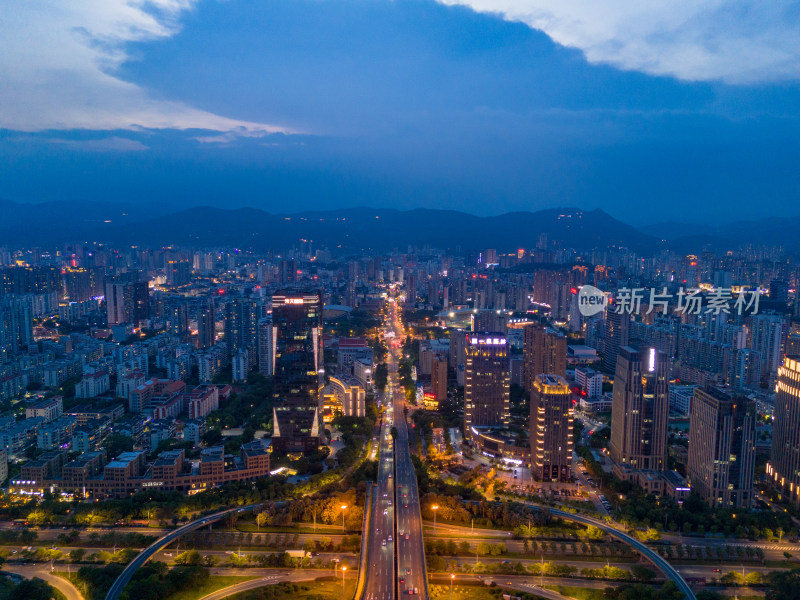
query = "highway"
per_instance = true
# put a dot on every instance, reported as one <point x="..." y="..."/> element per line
<point x="412" y="578"/>
<point x="380" y="549"/>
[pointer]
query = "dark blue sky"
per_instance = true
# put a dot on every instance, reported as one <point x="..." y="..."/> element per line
<point x="404" y="104"/>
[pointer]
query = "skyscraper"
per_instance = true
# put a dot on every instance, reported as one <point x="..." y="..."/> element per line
<point x="16" y="324"/>
<point x="784" y="465"/>
<point x="544" y="351"/>
<point x="768" y="337"/>
<point x="206" y="325"/>
<point x="722" y="449"/>
<point x="551" y="419"/>
<point x="241" y="323"/>
<point x="640" y="409"/>
<point x="297" y="330"/>
<point x="616" y="337"/>
<point x="127" y="302"/>
<point x="487" y="381"/>
<point x="439" y="378"/>
<point x="266" y="347"/>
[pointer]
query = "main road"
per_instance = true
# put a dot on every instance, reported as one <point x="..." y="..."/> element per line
<point x="412" y="576"/>
<point x="380" y="576"/>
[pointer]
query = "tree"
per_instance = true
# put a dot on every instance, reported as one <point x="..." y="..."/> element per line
<point x="783" y="585"/>
<point x="642" y="573"/>
<point x="32" y="589"/>
<point x="381" y="377"/>
<point x="77" y="555"/>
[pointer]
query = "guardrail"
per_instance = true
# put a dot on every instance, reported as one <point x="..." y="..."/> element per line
<point x="124" y="578"/>
<point x="362" y="565"/>
<point x="651" y="555"/>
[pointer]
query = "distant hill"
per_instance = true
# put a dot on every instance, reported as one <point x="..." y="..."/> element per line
<point x="363" y="229"/>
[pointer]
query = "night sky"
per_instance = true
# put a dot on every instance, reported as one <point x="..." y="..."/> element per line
<point x="668" y="111"/>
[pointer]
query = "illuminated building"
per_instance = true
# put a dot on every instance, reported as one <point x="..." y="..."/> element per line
<point x="297" y="331"/>
<point x="438" y="381"/>
<point x="640" y="409"/>
<point x="722" y="449"/>
<point x="784" y="465"/>
<point x="552" y="414"/>
<point x="486" y="381"/>
<point x="544" y="351"/>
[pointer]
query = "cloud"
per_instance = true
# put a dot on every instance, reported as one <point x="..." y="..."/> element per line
<point x="744" y="42"/>
<point x="58" y="61"/>
<point x="111" y="144"/>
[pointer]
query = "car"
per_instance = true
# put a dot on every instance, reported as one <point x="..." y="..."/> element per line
<point x="386" y="511"/>
<point x="406" y="536"/>
<point x="389" y="538"/>
<point x="390" y="502"/>
<point x="402" y="579"/>
<point x="385" y="494"/>
<point x="716" y="570"/>
<point x="384" y="542"/>
<point x="408" y="570"/>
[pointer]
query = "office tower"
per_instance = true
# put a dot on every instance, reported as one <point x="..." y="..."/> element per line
<point x="206" y="325"/>
<point x="486" y="381"/>
<point x="439" y="378"/>
<point x="784" y="465"/>
<point x="722" y="450"/>
<point x="297" y="327"/>
<point x="552" y="414"/>
<point x="127" y="302"/>
<point x="544" y="350"/>
<point x="241" y="323"/>
<point x="266" y="347"/>
<point x="767" y="336"/>
<point x="640" y="409"/>
<point x="16" y="324"/>
<point x="616" y="337"/>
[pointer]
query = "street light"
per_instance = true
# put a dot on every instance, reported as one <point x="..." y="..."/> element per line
<point x="344" y="507"/>
<point x="344" y="568"/>
<point x="452" y="576"/>
<point x="435" y="507"/>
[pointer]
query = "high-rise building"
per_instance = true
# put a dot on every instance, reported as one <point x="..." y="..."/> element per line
<point x="297" y="328"/>
<point x="640" y="409"/>
<point x="16" y="324"/>
<point x="784" y="465"/>
<point x="176" y="314"/>
<point x="616" y="337"/>
<point x="722" y="450"/>
<point x="206" y="325"/>
<point x="544" y="350"/>
<point x="241" y="324"/>
<point x="127" y="302"/>
<point x="266" y="347"/>
<point x="486" y="381"/>
<point x="768" y="337"/>
<point x="439" y="378"/>
<point x="552" y="414"/>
